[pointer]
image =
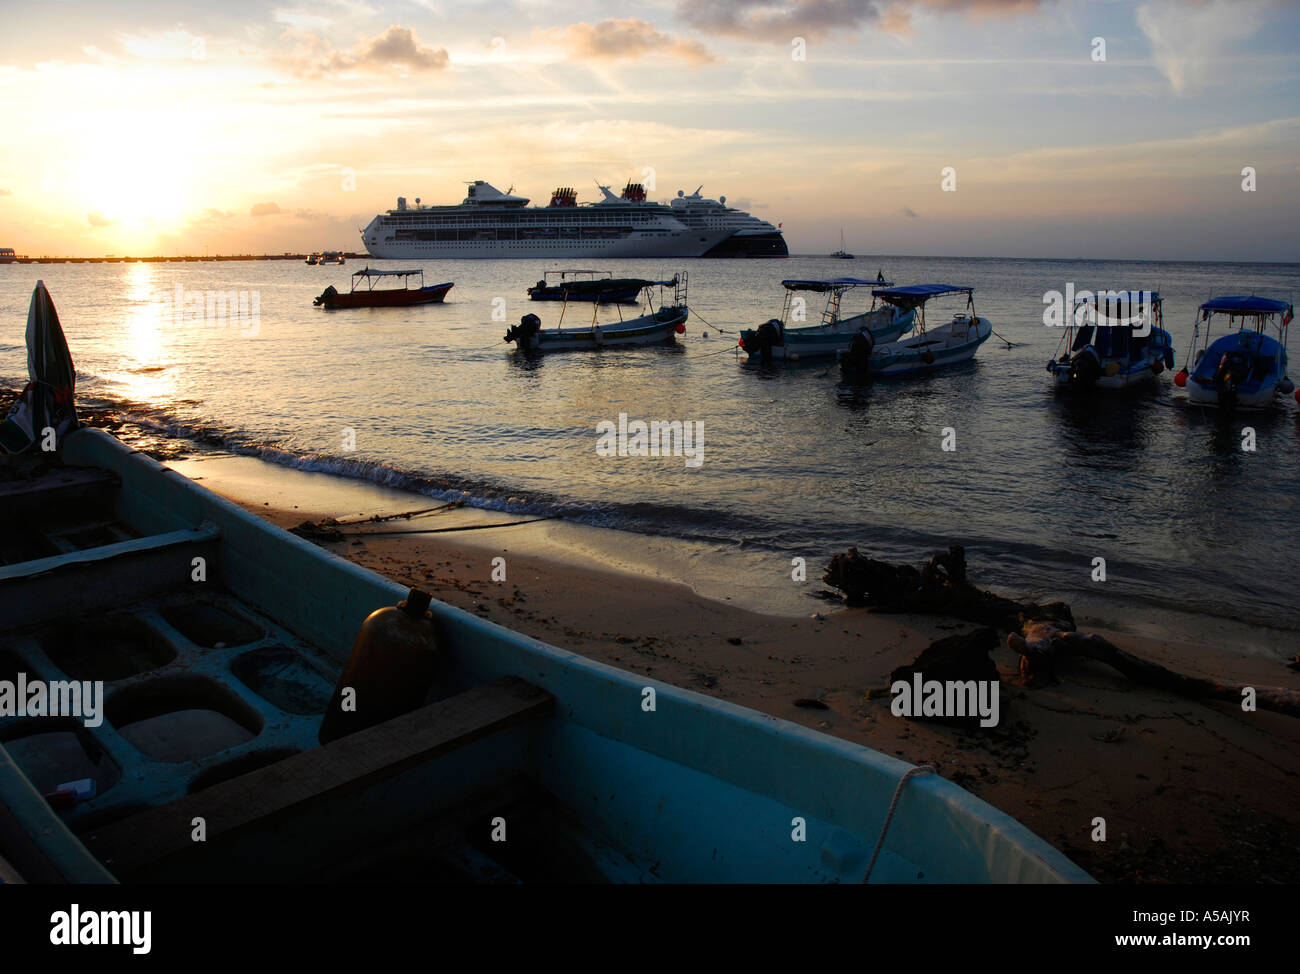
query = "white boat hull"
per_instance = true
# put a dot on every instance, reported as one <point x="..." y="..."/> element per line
<point x="946" y="345"/>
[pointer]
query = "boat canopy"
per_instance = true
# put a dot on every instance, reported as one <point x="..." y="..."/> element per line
<point x="1122" y="297"/>
<point x="1246" y="305"/>
<point x="914" y="295"/>
<point x="832" y="284"/>
<point x="367" y="272"/>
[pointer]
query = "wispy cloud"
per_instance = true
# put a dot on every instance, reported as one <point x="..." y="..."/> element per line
<point x="626" y="38"/>
<point x="97" y="219"/>
<point x="264" y="209"/>
<point x="1188" y="37"/>
<point x="768" y="20"/>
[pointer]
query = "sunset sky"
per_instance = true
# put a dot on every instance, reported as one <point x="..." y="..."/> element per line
<point x="140" y="128"/>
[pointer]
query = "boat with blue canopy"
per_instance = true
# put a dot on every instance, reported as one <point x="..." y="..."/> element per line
<point x="655" y="326"/>
<point x="777" y="338"/>
<point x="1115" y="339"/>
<point x="1245" y="368"/>
<point x="926" y="349"/>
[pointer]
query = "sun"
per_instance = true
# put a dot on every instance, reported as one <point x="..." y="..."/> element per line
<point x="134" y="178"/>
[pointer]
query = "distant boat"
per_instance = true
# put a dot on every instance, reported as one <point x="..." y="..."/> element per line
<point x="778" y="338"/>
<point x="580" y="285"/>
<point x="313" y="259"/>
<point x="842" y="254"/>
<point x="1115" y="339"/>
<point x="7" y="255"/>
<point x="928" y="349"/>
<point x="331" y="257"/>
<point x="657" y="327"/>
<point x="371" y="297"/>
<point x="1243" y="369"/>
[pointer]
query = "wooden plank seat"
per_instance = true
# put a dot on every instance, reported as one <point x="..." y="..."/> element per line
<point x="330" y="803"/>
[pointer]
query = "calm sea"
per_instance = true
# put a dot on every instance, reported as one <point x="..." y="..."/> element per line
<point x="795" y="461"/>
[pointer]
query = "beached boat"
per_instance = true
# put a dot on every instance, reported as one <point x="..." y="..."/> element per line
<point x="1246" y="368"/>
<point x="1115" y="339"/>
<point x="928" y="349"/>
<point x="369" y="296"/>
<point x="579" y="285"/>
<point x="778" y="338"/>
<point x="658" y="326"/>
<point x="224" y="646"/>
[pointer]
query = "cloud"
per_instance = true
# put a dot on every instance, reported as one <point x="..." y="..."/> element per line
<point x="908" y="212"/>
<point x="264" y="209"/>
<point x="97" y="219"/>
<point x="627" y="38"/>
<point x="1186" y="37"/>
<point x="396" y="48"/>
<point x="768" y="20"/>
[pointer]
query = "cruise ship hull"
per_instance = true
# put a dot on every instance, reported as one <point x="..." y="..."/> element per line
<point x="696" y="245"/>
<point x="751" y="245"/>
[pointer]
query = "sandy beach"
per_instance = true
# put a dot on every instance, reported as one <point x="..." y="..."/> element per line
<point x="1190" y="791"/>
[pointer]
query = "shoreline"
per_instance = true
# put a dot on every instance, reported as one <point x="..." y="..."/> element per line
<point x="1191" y="791"/>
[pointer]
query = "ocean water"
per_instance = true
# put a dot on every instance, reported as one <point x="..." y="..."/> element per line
<point x="796" y="462"/>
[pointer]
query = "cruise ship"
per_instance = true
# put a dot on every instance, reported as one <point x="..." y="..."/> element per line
<point x="493" y="224"/>
<point x="750" y="236"/>
<point x="742" y="235"/>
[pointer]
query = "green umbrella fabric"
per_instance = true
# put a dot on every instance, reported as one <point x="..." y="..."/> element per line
<point x="48" y="401"/>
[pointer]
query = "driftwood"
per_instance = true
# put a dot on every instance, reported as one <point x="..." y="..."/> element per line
<point x="1044" y="643"/>
<point x="940" y="587"/>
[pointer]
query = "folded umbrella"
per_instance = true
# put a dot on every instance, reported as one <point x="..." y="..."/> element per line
<point x="48" y="400"/>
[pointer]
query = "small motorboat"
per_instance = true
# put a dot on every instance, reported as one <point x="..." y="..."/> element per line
<point x="658" y="326"/>
<point x="777" y="338"/>
<point x="1245" y="368"/>
<point x="1115" y="339"/>
<point x="331" y="257"/>
<point x="370" y="296"/>
<point x="577" y="285"/>
<point x="928" y="349"/>
<point x="313" y="259"/>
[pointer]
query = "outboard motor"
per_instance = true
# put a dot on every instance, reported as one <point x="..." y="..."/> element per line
<point x="860" y="348"/>
<point x="1233" y="369"/>
<point x="523" y="333"/>
<point x="1085" y="366"/>
<point x="767" y="335"/>
<point x="326" y="296"/>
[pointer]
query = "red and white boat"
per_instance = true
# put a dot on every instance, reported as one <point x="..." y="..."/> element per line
<point x="364" y="294"/>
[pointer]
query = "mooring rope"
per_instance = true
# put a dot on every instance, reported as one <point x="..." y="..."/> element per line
<point x="917" y="771"/>
<point x="720" y="331"/>
<point x="464" y="527"/>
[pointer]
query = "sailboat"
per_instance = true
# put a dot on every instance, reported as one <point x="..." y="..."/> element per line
<point x="842" y="254"/>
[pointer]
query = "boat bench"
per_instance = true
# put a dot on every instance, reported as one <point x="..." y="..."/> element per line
<point x="331" y="804"/>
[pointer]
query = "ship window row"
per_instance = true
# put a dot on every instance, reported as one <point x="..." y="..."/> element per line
<point x="546" y="219"/>
<point x="561" y="233"/>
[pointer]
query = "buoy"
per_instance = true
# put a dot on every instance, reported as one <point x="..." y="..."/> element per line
<point x="1297" y="395"/>
<point x="389" y="672"/>
<point x="1180" y="378"/>
<point x="681" y="328"/>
